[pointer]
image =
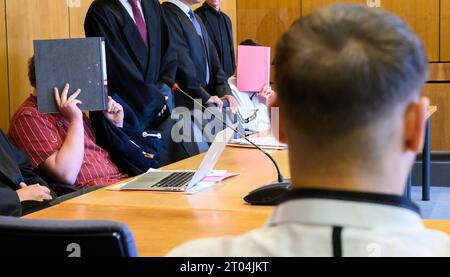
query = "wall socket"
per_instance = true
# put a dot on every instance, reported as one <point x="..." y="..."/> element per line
<point x="374" y="3"/>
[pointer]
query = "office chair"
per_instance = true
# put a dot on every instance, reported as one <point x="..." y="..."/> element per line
<point x="51" y="238"/>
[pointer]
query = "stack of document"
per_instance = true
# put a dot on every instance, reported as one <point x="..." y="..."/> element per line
<point x="269" y="143"/>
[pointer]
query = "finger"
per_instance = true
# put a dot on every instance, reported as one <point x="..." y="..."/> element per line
<point x="167" y="98"/>
<point x="112" y="107"/>
<point x="45" y="189"/>
<point x="119" y="109"/>
<point x="40" y="197"/>
<point x="74" y="95"/>
<point x="263" y="89"/>
<point x="22" y="185"/>
<point x="46" y="196"/>
<point x="64" y="93"/>
<point x="110" y="103"/>
<point x="57" y="97"/>
<point x="116" y="109"/>
<point x="234" y="106"/>
<point x="77" y="102"/>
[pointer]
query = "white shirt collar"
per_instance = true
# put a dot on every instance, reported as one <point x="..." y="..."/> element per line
<point x="127" y="5"/>
<point x="126" y="2"/>
<point x="185" y="8"/>
<point x="336" y="209"/>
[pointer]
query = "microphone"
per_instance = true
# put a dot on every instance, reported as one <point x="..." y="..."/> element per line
<point x="270" y="194"/>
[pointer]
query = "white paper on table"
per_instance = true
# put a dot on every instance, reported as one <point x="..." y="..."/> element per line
<point x="263" y="142"/>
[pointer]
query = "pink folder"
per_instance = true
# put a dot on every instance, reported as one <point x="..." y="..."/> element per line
<point x="253" y="71"/>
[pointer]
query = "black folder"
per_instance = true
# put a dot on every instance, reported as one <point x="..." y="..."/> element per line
<point x="78" y="62"/>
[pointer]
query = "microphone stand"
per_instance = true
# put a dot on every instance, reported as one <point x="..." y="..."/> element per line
<point x="281" y="180"/>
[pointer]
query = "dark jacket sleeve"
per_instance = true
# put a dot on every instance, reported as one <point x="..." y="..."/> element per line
<point x="186" y="74"/>
<point x="221" y="85"/>
<point x="123" y="75"/>
<point x="26" y="168"/>
<point x="9" y="202"/>
<point x="169" y="59"/>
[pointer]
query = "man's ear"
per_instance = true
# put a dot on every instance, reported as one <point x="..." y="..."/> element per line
<point x="278" y="124"/>
<point x="415" y="124"/>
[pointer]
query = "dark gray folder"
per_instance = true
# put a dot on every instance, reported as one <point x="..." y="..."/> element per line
<point x="79" y="62"/>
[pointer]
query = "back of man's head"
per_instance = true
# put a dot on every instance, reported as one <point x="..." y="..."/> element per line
<point x="344" y="69"/>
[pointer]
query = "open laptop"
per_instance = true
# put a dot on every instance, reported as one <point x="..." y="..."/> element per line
<point x="183" y="181"/>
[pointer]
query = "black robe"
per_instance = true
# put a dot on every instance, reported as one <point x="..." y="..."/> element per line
<point x="193" y="54"/>
<point x="135" y="71"/>
<point x="15" y="167"/>
<point x="220" y="31"/>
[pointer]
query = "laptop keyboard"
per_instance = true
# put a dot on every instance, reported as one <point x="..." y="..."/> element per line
<point x="175" y="180"/>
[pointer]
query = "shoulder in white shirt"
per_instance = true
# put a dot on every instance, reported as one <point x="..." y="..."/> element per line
<point x="185" y="8"/>
<point x="303" y="228"/>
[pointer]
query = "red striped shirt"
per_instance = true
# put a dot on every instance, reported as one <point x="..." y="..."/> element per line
<point x="41" y="135"/>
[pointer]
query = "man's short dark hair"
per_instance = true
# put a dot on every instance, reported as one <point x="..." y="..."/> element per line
<point x="250" y="42"/>
<point x="345" y="66"/>
<point x="32" y="72"/>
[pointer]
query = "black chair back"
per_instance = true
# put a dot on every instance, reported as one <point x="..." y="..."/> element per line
<point x="51" y="238"/>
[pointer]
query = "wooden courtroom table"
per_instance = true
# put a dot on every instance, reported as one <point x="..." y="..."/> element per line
<point x="161" y="221"/>
<point x="157" y="231"/>
<point x="253" y="167"/>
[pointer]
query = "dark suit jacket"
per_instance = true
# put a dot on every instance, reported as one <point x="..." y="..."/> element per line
<point x="15" y="167"/>
<point x="134" y="71"/>
<point x="192" y="59"/>
<point x="220" y="31"/>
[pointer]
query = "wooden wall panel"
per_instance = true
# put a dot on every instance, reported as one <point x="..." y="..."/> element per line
<point x="439" y="72"/>
<point x="230" y="8"/>
<point x="421" y="15"/>
<point x="439" y="95"/>
<point x="266" y="20"/>
<point x="445" y="30"/>
<point x="28" y="20"/>
<point x="4" y="93"/>
<point x="77" y="13"/>
<point x="309" y="6"/>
